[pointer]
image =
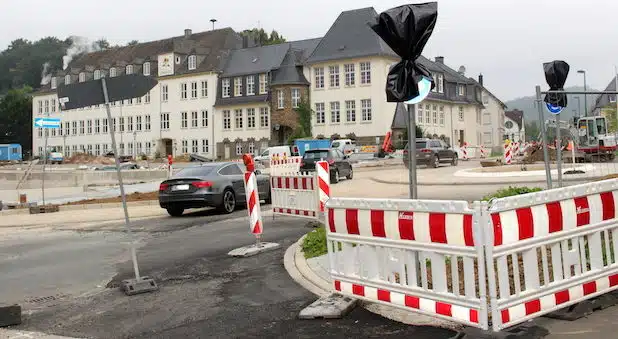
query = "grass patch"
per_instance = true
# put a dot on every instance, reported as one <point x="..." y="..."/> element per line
<point x="511" y="191"/>
<point x="314" y="244"/>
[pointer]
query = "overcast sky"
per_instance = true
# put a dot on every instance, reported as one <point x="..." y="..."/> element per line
<point x="506" y="40"/>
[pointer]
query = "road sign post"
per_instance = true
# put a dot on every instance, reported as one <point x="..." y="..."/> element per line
<point x="45" y="124"/>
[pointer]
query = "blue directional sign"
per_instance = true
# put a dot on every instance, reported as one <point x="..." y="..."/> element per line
<point x="47" y="123"/>
<point x="553" y="109"/>
<point x="424" y="87"/>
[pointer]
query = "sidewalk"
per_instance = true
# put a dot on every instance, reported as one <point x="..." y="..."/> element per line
<point x="14" y="334"/>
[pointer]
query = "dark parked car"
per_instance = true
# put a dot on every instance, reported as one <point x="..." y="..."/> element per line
<point x="432" y="152"/>
<point x="339" y="164"/>
<point x="219" y="185"/>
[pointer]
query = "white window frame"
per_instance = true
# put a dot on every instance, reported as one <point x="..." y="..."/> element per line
<point x="54" y="83"/>
<point x="366" y="110"/>
<point x="280" y="99"/>
<point x="318" y="73"/>
<point x="67" y="79"/>
<point x="165" y="121"/>
<point x="238" y="119"/>
<point x="251" y="118"/>
<point x="183" y="91"/>
<point x="82" y="77"/>
<point x="147" y="98"/>
<point x="194" y="90"/>
<point x="296" y="97"/>
<point x="350" y="111"/>
<point x="53" y="105"/>
<point x="320" y="113"/>
<point x="129" y="69"/>
<point x="184" y="120"/>
<point x="441" y="116"/>
<point x="97" y="74"/>
<point x="333" y="75"/>
<point x="205" y="146"/>
<point x="440" y="83"/>
<point x="204" y="88"/>
<point x="335" y="112"/>
<point x="434" y="114"/>
<point x="146" y="68"/>
<point x="237" y="86"/>
<point x="89" y="127"/>
<point x="250" y="85"/>
<point x="350" y="74"/>
<point x="204" y="118"/>
<point x="147" y="123"/>
<point x="195" y="146"/>
<point x="365" y="72"/>
<point x="427" y="114"/>
<point x="112" y="72"/>
<point x="225" y="85"/>
<point x="419" y="115"/>
<point x="185" y="146"/>
<point x="121" y="125"/>
<point x="227" y="120"/>
<point x="461" y="90"/>
<point x="194" y="119"/>
<point x="263" y="83"/>
<point x="239" y="148"/>
<point x="82" y="127"/>
<point x="460" y="113"/>
<point x="264" y="117"/>
<point x="129" y="124"/>
<point x="165" y="93"/>
<point x="138" y="123"/>
<point x="251" y="148"/>
<point x="192" y="64"/>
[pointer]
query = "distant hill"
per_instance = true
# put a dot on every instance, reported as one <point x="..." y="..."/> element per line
<point x="528" y="105"/>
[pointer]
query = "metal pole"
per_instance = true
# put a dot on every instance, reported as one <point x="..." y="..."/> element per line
<point x="558" y="151"/>
<point x="122" y="194"/>
<point x="585" y="95"/>
<point x="412" y="151"/>
<point x="44" y="164"/>
<point x="539" y="103"/>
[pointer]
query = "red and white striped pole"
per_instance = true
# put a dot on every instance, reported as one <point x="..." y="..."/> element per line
<point x="253" y="201"/>
<point x="323" y="174"/>
<point x="464" y="151"/>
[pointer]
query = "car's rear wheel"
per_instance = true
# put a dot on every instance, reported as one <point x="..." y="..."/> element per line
<point x="454" y="161"/>
<point x="351" y="175"/>
<point x="334" y="177"/>
<point x="228" y="203"/>
<point x="175" y="211"/>
<point x="435" y="162"/>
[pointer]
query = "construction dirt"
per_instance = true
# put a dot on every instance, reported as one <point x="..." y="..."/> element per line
<point x="83" y="158"/>
<point x="130" y="198"/>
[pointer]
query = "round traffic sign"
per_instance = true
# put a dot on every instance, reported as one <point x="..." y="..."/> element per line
<point x="553" y="109"/>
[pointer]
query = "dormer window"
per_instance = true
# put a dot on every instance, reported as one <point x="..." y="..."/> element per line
<point x="82" y="77"/>
<point x="146" y="69"/>
<point x="461" y="90"/>
<point x="54" y="82"/>
<point x="112" y="72"/>
<point x="192" y="62"/>
<point x="67" y="79"/>
<point x="129" y="69"/>
<point x="97" y="74"/>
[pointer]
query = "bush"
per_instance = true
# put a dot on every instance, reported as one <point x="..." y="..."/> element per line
<point x="314" y="244"/>
<point x="511" y="191"/>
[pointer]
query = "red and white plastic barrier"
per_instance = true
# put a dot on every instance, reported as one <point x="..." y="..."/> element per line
<point x="253" y="204"/>
<point x="464" y="151"/>
<point x="323" y="172"/>
<point x="483" y="152"/>
<point x="508" y="155"/>
<point x="280" y="164"/>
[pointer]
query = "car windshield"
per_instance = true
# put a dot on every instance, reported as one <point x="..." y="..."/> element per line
<point x="336" y="144"/>
<point x="419" y="144"/>
<point x="200" y="171"/>
<point x="316" y="155"/>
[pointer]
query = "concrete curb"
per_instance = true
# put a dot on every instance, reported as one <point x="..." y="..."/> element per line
<point x="295" y="263"/>
<point x="15" y="334"/>
<point x="481" y="183"/>
<point x="64" y="208"/>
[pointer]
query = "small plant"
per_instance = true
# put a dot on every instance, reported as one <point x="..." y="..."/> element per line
<point x="314" y="244"/>
<point x="335" y="136"/>
<point x="157" y="155"/>
<point x="511" y="191"/>
<point x="143" y="157"/>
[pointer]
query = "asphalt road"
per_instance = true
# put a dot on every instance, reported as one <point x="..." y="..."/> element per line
<point x="204" y="293"/>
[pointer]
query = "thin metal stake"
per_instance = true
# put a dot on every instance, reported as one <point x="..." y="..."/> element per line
<point x="44" y="165"/>
<point x="412" y="152"/>
<point x="112" y="132"/>
<point x="558" y="151"/>
<point x="539" y="103"/>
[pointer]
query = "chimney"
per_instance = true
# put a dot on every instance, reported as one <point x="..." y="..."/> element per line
<point x="440" y="59"/>
<point x="481" y="79"/>
<point x="188" y="33"/>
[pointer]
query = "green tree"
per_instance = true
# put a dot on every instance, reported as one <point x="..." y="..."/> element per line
<point x="303" y="130"/>
<point x="263" y="38"/>
<point x="532" y="130"/>
<point x="15" y="118"/>
<point x="132" y="43"/>
<point x="609" y="112"/>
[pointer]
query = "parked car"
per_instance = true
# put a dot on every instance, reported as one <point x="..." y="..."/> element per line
<point x="431" y="152"/>
<point x="346" y="146"/>
<point x="264" y="157"/>
<point x="339" y="163"/>
<point x="219" y="184"/>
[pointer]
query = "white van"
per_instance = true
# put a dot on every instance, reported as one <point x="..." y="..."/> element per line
<point x="346" y="146"/>
<point x="265" y="156"/>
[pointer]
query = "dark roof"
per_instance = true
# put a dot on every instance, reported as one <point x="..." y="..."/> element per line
<point x="245" y="99"/>
<point x="289" y="73"/>
<point x="603" y="99"/>
<point x="400" y="117"/>
<point x="350" y="37"/>
<point x="515" y="115"/>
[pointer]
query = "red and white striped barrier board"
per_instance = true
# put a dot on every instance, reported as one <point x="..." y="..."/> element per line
<point x="464" y="151"/>
<point x="398" y="253"/>
<point x="568" y="232"/>
<point x="323" y="172"/>
<point x="295" y="195"/>
<point x="508" y="153"/>
<point x="483" y="152"/>
<point x="253" y="204"/>
<point x="284" y="164"/>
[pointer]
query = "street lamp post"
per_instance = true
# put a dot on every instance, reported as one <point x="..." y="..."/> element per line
<point x="581" y="71"/>
<point x="579" y="112"/>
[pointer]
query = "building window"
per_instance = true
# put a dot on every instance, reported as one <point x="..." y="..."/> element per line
<point x="427" y="114"/>
<point x="46" y="106"/>
<point x="320" y="114"/>
<point x="82" y="77"/>
<point x="129" y="69"/>
<point x="350" y="111"/>
<point x="227" y="120"/>
<point x="295" y="97"/>
<point x="89" y="127"/>
<point x="487" y="140"/>
<point x="89" y="149"/>
<point x="441" y="116"/>
<point x="366" y="110"/>
<point x="478" y="116"/>
<point x="165" y="121"/>
<point x="419" y="115"/>
<point x="204" y="84"/>
<point x="250" y="85"/>
<point x="204" y="118"/>
<point x="485" y="99"/>
<point x="97" y="74"/>
<point x="67" y="128"/>
<point x="121" y="150"/>
<point x="461" y="90"/>
<point x="237" y="87"/>
<point x="40" y="132"/>
<point x="192" y="62"/>
<point x="350" y="74"/>
<point x="461" y="113"/>
<point x="319" y="77"/>
<point x="238" y="149"/>
<point x="121" y="123"/>
<point x="146" y="68"/>
<point x="112" y="72"/>
<point x="114" y="128"/>
<point x="138" y="100"/>
<point x="264" y="120"/>
<point x="185" y="146"/>
<point x="147" y="98"/>
<point x="147" y="123"/>
<point x="251" y="148"/>
<point x="164" y="93"/>
<point x="74" y="125"/>
<point x="238" y="119"/>
<point x="67" y="79"/>
<point x="53" y="132"/>
<point x="195" y="146"/>
<point x="365" y="73"/>
<point x="486" y="118"/>
<point x="148" y="148"/>
<point x="82" y="127"/>
<point x="138" y="123"/>
<point x="40" y="110"/>
<point x="434" y="114"/>
<point x="53" y="105"/>
<point x="204" y="145"/>
<point x="335" y="114"/>
<point x="184" y="123"/>
<point x="194" y="120"/>
<point x="97" y="149"/>
<point x="263" y="83"/>
<point x="183" y="91"/>
<point x="54" y="83"/>
<point x="250" y="117"/>
<point x="440" y="84"/>
<point x="225" y="84"/>
<point x="194" y="90"/>
<point x="333" y="72"/>
<point x="280" y="99"/>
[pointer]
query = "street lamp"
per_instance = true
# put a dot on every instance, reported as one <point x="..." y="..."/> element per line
<point x="579" y="113"/>
<point x="585" y="90"/>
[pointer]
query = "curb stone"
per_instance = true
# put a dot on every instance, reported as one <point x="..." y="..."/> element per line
<point x="484" y="183"/>
<point x="298" y="269"/>
<point x="85" y="207"/>
<point x="15" y="334"/>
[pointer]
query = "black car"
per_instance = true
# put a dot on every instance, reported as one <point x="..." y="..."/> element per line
<point x="432" y="152"/>
<point x="219" y="185"/>
<point x="339" y="164"/>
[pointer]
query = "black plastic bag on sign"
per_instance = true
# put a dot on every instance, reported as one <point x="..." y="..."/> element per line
<point x="556" y="73"/>
<point x="406" y="30"/>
